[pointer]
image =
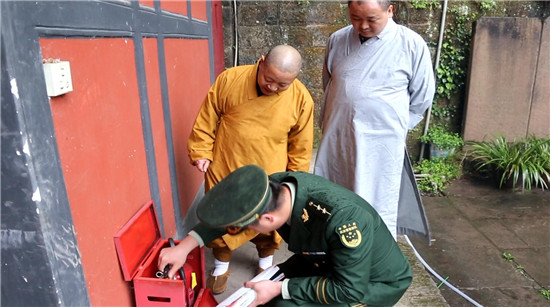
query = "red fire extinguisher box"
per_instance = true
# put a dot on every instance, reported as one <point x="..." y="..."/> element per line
<point x="138" y="244"/>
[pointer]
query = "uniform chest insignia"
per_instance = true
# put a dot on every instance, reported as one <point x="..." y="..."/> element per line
<point x="305" y="216"/>
<point x="349" y="234"/>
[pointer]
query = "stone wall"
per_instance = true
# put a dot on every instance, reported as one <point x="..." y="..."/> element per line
<point x="307" y="25"/>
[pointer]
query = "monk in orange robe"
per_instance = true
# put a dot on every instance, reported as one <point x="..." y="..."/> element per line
<point x="253" y="114"/>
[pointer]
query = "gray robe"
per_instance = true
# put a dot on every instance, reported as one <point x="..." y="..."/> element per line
<point x="374" y="93"/>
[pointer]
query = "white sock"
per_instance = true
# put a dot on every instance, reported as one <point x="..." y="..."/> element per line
<point x="220" y="267"/>
<point x="266" y="262"/>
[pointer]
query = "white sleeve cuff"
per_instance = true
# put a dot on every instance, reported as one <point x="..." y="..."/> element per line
<point x="414" y="119"/>
<point x="284" y="290"/>
<point x="197" y="237"/>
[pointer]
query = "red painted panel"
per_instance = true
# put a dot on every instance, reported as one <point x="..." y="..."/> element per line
<point x="198" y="9"/>
<point x="149" y="3"/>
<point x="159" y="134"/>
<point x="217" y="37"/>
<point x="99" y="135"/>
<point x="174" y="6"/>
<point x="188" y="74"/>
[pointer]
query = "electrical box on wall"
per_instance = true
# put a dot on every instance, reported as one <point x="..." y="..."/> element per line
<point x="58" y="77"/>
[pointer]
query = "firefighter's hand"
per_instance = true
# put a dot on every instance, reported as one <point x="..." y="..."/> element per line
<point x="176" y="256"/>
<point x="265" y="290"/>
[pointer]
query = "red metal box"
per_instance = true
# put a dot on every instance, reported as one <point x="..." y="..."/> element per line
<point x="205" y="299"/>
<point x="138" y="245"/>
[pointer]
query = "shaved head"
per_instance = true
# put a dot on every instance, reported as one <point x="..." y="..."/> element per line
<point x="285" y="58"/>
<point x="385" y="4"/>
<point x="278" y="69"/>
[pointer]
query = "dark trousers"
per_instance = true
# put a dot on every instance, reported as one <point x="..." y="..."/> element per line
<point x="297" y="266"/>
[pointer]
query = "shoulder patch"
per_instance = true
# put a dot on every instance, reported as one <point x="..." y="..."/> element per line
<point x="349" y="234"/>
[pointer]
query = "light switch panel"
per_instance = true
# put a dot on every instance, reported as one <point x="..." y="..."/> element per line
<point x="58" y="78"/>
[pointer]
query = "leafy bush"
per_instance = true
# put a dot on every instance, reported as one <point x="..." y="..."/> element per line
<point x="526" y="161"/>
<point x="422" y="4"/>
<point x="436" y="174"/>
<point x="442" y="138"/>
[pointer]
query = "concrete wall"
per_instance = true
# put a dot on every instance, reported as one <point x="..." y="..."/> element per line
<point x="509" y="86"/>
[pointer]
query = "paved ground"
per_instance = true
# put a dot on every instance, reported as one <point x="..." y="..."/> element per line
<point x="471" y="229"/>
<point x="423" y="291"/>
<point x="473" y="226"/>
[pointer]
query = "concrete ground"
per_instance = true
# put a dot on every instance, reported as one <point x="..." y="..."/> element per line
<point x="472" y="227"/>
<point x="423" y="291"/>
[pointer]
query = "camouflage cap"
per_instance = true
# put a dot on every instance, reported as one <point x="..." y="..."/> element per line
<point x="237" y="200"/>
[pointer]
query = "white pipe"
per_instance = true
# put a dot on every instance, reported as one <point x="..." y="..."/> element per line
<point x="469" y="299"/>
<point x="441" y="34"/>
<point x="436" y="66"/>
<point x="236" y="33"/>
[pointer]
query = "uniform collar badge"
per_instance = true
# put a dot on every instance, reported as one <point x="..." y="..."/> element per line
<point x="305" y="216"/>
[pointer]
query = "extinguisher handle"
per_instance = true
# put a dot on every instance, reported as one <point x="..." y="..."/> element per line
<point x="182" y="273"/>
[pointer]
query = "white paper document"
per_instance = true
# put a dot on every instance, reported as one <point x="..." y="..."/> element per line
<point x="245" y="296"/>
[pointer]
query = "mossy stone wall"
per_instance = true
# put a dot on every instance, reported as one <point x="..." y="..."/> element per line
<point x="306" y="25"/>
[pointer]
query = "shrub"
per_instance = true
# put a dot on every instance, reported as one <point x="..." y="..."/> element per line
<point x="436" y="174"/>
<point x="526" y="161"/>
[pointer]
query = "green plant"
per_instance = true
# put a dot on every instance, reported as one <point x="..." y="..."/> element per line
<point x="508" y="256"/>
<point x="451" y="72"/>
<point x="545" y="293"/>
<point x="526" y="161"/>
<point x="442" y="138"/>
<point x="304" y="4"/>
<point x="542" y="149"/>
<point x="443" y="112"/>
<point x="436" y="174"/>
<point x="487" y="4"/>
<point x="423" y="4"/>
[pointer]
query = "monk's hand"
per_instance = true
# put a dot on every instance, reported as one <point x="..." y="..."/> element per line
<point x="202" y="165"/>
<point x="265" y="290"/>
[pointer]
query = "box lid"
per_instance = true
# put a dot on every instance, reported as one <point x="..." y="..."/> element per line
<point x="136" y="240"/>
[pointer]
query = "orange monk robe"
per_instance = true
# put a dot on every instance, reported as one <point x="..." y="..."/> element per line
<point x="236" y="127"/>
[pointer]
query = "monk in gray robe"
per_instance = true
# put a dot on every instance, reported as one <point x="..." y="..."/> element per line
<point x="378" y="82"/>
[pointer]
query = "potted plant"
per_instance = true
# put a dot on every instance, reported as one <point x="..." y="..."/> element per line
<point x="525" y="162"/>
<point x="442" y="143"/>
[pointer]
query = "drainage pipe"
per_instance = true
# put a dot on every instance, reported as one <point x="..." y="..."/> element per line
<point x="436" y="66"/>
<point x="237" y="33"/>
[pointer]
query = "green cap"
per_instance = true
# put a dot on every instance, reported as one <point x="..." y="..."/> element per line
<point x="237" y="200"/>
